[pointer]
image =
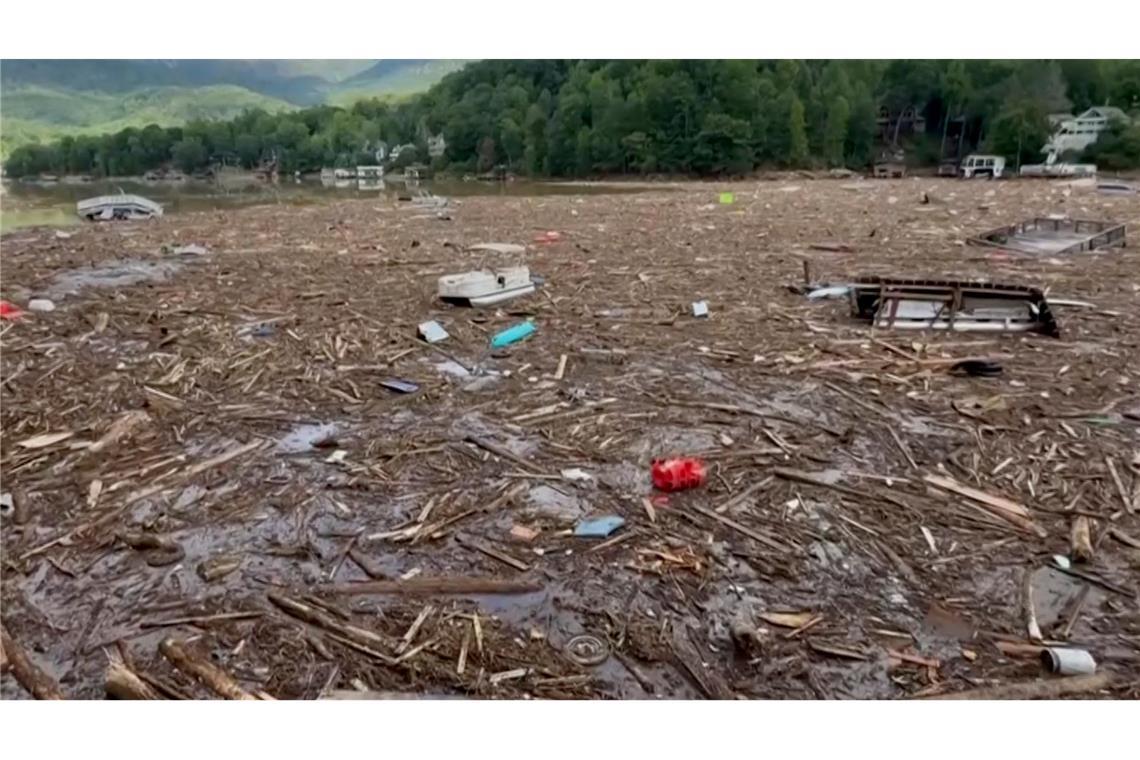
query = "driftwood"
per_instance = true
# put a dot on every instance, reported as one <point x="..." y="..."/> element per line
<point x="810" y="478"/>
<point x="506" y="559"/>
<point x="124" y="683"/>
<point x="443" y="585"/>
<point x="218" y="681"/>
<point x="348" y="694"/>
<point x="1129" y="507"/>
<point x="740" y="498"/>
<point x="1046" y="688"/>
<point x="29" y="675"/>
<point x="1080" y="540"/>
<point x="307" y="377"/>
<point x="688" y="660"/>
<point x="1011" y="511"/>
<point x="503" y="453"/>
<point x="771" y="543"/>
<point x="345" y="632"/>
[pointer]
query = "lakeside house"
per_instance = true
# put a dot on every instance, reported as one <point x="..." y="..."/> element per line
<point x="396" y="151"/>
<point x="891" y="125"/>
<point x="1075" y="133"/>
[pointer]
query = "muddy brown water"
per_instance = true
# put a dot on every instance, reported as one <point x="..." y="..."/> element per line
<point x="28" y="204"/>
<point x="671" y="600"/>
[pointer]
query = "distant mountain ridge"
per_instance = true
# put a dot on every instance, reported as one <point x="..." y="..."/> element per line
<point x="300" y="85"/>
<point x="46" y="98"/>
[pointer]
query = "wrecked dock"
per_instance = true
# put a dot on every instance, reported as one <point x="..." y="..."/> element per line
<point x="1051" y="236"/>
<point x="951" y="305"/>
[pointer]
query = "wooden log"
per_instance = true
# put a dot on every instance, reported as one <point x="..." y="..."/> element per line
<point x="499" y="451"/>
<point x="771" y="543"/>
<point x="1045" y="688"/>
<point x="347" y="694"/>
<point x="503" y="557"/>
<point x="1012" y="511"/>
<point x="1128" y="505"/>
<point x="1019" y="649"/>
<point x="1124" y="538"/>
<point x="811" y="478"/>
<point x="213" y="677"/>
<point x="123" y="683"/>
<point x="315" y="616"/>
<point x="1080" y="540"/>
<point x="440" y="585"/>
<point x="29" y="675"/>
<point x="740" y="498"/>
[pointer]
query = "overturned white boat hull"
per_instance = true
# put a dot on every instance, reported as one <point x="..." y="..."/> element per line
<point x="487" y="287"/>
<point x="109" y="207"/>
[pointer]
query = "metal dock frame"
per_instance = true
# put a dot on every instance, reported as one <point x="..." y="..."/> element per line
<point x="1100" y="234"/>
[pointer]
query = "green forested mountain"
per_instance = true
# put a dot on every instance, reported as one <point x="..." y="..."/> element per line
<point x="165" y="106"/>
<point x="300" y="82"/>
<point x="42" y="99"/>
<point x="387" y="78"/>
<point x="583" y="118"/>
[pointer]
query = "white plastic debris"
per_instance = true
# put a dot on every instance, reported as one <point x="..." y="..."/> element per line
<point x="700" y="309"/>
<point x="432" y="332"/>
<point x="575" y="473"/>
<point x="41" y="304"/>
<point x="1066" y="661"/>
<point x="1061" y="561"/>
<point x="505" y="248"/>
<point x="831" y="291"/>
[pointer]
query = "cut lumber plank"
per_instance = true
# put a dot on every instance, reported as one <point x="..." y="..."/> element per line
<point x="1045" y="688"/>
<point x="1012" y="511"/>
<point x="441" y="585"/>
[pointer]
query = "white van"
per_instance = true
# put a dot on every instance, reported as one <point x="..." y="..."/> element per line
<point x="982" y="166"/>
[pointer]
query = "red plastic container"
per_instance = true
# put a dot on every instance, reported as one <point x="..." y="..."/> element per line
<point x="10" y="311"/>
<point x="677" y="474"/>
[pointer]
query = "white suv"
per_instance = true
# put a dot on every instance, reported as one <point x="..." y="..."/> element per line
<point x="982" y="166"/>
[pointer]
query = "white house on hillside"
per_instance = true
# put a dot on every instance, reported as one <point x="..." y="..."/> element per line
<point x="396" y="151"/>
<point x="1076" y="133"/>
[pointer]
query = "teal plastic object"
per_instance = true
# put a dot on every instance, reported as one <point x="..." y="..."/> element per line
<point x="599" y="527"/>
<point x="513" y="334"/>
